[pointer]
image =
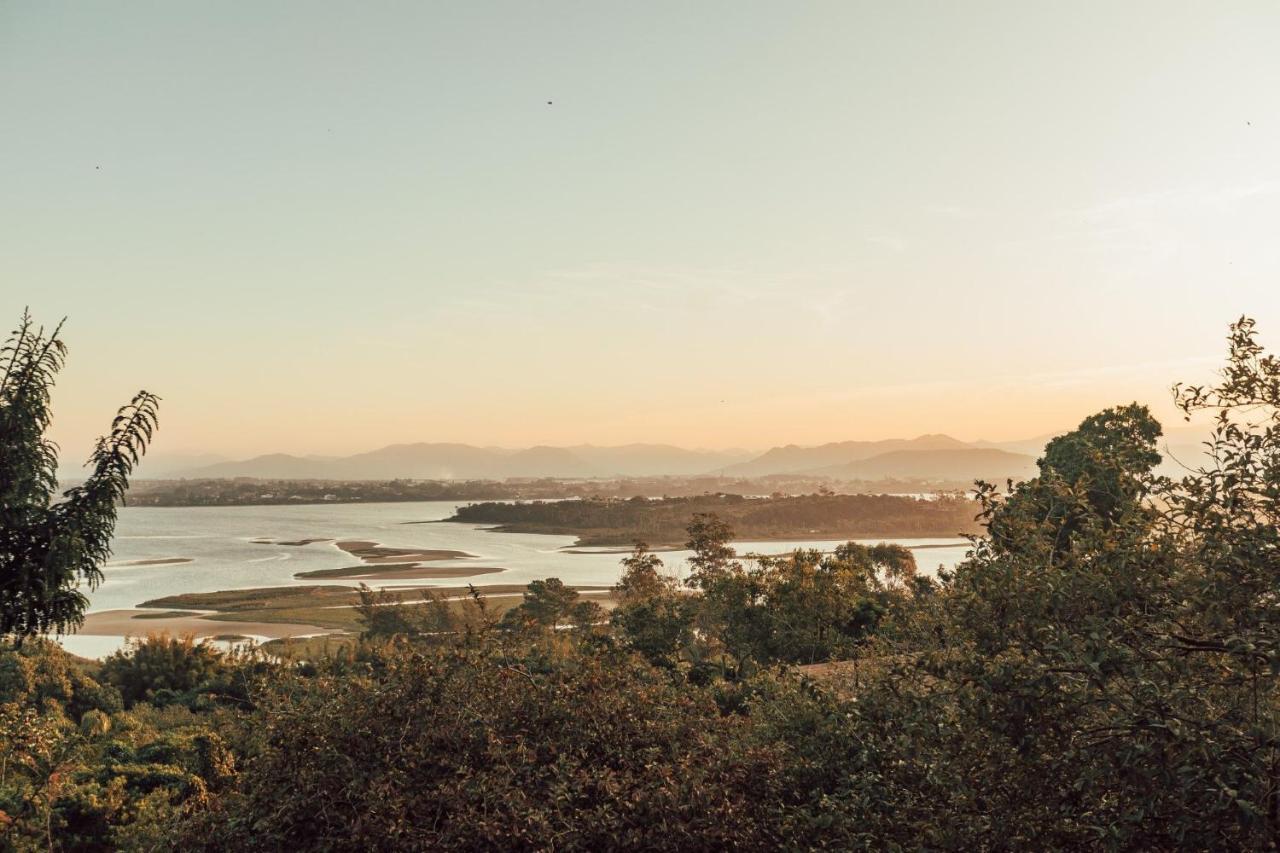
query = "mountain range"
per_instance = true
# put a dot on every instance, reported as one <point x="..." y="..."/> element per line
<point x="929" y="457"/>
<point x="933" y="457"/>
<point x="449" y="461"/>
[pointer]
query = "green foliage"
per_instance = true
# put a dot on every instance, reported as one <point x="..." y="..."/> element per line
<point x="102" y="779"/>
<point x="547" y="603"/>
<point x="804" y="607"/>
<point x="609" y="521"/>
<point x="713" y="556"/>
<point x="385" y="614"/>
<point x="165" y="670"/>
<point x="642" y="575"/>
<point x="39" y="676"/>
<point x="47" y="548"/>
<point x="652" y="616"/>
<point x="585" y="616"/>
<point x="497" y="748"/>
<point x="817" y="607"/>
<point x="1103" y="672"/>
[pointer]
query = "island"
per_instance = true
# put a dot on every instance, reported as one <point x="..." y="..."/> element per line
<point x="662" y="522"/>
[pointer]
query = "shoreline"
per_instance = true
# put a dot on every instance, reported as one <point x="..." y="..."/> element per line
<point x="138" y="622"/>
<point x="611" y="548"/>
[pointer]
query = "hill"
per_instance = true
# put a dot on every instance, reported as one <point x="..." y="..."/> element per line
<point x="898" y="458"/>
<point x="965" y="464"/>
<point x="793" y="459"/>
<point x="649" y="460"/>
<point x="451" y="461"/>
<point x="272" y="466"/>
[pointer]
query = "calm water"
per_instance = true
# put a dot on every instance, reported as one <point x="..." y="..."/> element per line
<point x="218" y="541"/>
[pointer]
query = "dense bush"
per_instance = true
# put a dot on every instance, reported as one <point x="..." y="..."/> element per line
<point x="491" y="747"/>
<point x="77" y="772"/>
<point x="166" y="670"/>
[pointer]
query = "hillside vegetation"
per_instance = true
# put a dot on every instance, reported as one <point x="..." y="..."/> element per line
<point x="663" y="521"/>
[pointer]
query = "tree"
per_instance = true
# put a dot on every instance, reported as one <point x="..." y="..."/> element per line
<point x="815" y="607"/>
<point x="653" y="617"/>
<point x="1094" y="474"/>
<point x="641" y="575"/>
<point x="173" y="668"/>
<point x="546" y="604"/>
<point x="586" y="615"/>
<point x="709" y="538"/>
<point x="383" y="613"/>
<point x="49" y="549"/>
<point x="1102" y="672"/>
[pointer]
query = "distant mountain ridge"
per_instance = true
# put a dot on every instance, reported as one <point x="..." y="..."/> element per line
<point x="963" y="464"/>
<point x="928" y="457"/>
<point x="452" y="461"/>
<point x="931" y="457"/>
<point x="793" y="459"/>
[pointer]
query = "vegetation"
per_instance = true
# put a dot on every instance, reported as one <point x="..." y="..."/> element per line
<point x="479" y="746"/>
<point x="338" y="607"/>
<point x="1101" y="673"/>
<point x="80" y="772"/>
<point x="246" y="491"/>
<point x="47" y="548"/>
<point x="663" y="521"/>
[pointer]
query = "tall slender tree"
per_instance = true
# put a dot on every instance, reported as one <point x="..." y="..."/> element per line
<point x="51" y="548"/>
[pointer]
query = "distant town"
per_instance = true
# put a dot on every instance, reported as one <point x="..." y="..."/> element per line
<point x="244" y="491"/>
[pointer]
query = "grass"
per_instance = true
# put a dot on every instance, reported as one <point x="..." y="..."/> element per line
<point x="310" y="648"/>
<point x="258" y="599"/>
<point x="344" y="618"/>
<point x="331" y="607"/>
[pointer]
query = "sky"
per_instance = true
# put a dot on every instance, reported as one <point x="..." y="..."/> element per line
<point x="322" y="227"/>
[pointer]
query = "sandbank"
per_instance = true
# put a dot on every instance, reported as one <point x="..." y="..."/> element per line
<point x="400" y="571"/>
<point x="139" y="623"/>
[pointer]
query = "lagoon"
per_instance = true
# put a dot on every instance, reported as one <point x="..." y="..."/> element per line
<point x="161" y="551"/>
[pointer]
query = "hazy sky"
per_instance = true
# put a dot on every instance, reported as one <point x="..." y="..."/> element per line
<point x="325" y="227"/>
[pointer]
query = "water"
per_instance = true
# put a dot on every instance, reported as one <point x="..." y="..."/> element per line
<point x="219" y="543"/>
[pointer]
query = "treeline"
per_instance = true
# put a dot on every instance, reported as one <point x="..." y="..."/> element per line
<point x="254" y="492"/>
<point x="731" y="614"/>
<point x="243" y="491"/>
<point x="663" y="521"/>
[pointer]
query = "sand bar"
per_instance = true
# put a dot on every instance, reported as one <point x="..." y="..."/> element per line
<point x="293" y="542"/>
<point x="400" y="571"/>
<point x="372" y="552"/>
<point x="126" y="623"/>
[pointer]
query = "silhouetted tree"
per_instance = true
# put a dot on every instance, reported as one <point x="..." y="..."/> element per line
<point x="49" y="549"/>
